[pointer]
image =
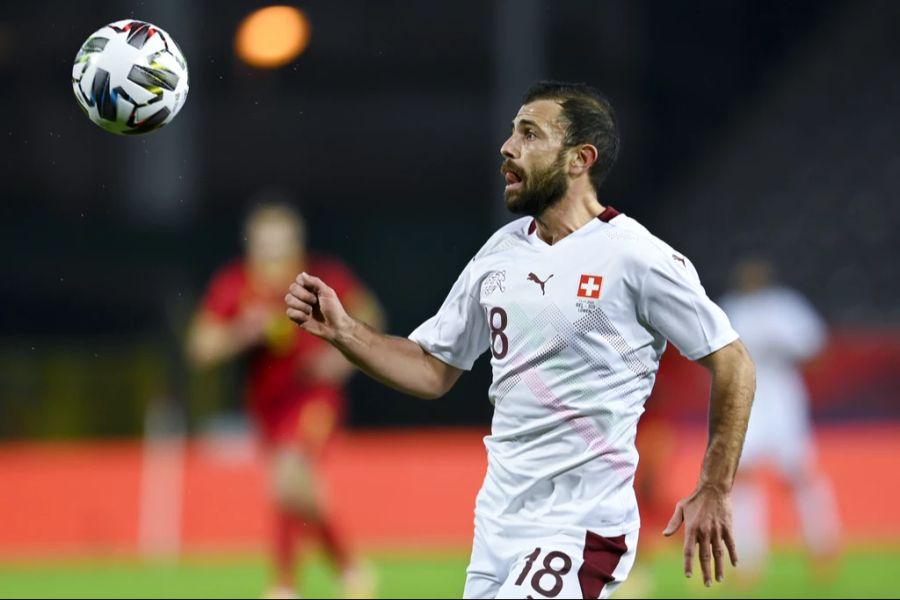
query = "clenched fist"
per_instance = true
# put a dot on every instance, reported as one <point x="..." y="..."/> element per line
<point x="316" y="308"/>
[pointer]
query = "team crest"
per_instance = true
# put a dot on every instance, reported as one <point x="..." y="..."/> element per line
<point x="493" y="282"/>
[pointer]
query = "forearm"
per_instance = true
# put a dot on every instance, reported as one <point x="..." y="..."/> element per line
<point x="210" y="345"/>
<point x="395" y="361"/>
<point x="733" y="386"/>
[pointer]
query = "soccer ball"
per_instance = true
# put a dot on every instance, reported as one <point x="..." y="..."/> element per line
<point x="130" y="77"/>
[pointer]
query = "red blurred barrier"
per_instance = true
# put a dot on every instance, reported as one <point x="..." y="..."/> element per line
<point x="856" y="377"/>
<point x="862" y="461"/>
<point x="408" y="488"/>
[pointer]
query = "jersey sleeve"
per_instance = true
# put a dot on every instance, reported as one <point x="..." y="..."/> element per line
<point x="223" y="295"/>
<point x="673" y="303"/>
<point x="458" y="333"/>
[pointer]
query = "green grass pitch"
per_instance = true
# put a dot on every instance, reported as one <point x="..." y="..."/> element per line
<point x="863" y="572"/>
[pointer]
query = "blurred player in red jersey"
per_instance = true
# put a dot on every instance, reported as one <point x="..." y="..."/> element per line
<point x="295" y="380"/>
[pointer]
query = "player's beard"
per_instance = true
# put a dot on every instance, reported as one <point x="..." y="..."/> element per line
<point x="540" y="190"/>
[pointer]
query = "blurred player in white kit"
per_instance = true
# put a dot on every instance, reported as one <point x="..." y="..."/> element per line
<point x="575" y="301"/>
<point x="782" y="331"/>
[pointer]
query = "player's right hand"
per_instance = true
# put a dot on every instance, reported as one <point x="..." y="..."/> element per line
<point x="316" y="308"/>
<point x="250" y="325"/>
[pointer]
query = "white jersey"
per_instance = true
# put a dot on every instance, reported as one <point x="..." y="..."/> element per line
<point x="576" y="331"/>
<point x="780" y="329"/>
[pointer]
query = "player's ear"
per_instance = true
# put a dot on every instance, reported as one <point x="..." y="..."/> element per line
<point x="585" y="156"/>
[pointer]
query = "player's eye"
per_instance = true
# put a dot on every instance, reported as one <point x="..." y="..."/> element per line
<point x="530" y="135"/>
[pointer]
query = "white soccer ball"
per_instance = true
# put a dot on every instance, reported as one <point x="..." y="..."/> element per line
<point x="130" y="77"/>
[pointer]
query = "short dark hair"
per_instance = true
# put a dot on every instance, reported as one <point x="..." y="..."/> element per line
<point x="590" y="119"/>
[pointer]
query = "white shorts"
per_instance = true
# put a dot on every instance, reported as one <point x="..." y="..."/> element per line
<point x="510" y="563"/>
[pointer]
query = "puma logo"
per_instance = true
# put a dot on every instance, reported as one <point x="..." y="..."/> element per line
<point x="537" y="280"/>
<point x="680" y="259"/>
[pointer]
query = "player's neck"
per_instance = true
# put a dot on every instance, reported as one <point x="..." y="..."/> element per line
<point x="570" y="214"/>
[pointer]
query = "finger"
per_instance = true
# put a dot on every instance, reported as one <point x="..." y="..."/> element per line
<point x="705" y="558"/>
<point x="301" y="292"/>
<point x="675" y="522"/>
<point x="298" y="316"/>
<point x="294" y="302"/>
<point x="689" y="542"/>
<point x="718" y="553"/>
<point x="313" y="284"/>
<point x="729" y="543"/>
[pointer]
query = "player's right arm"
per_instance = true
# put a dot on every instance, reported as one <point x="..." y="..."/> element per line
<point x="398" y="362"/>
<point x="223" y="328"/>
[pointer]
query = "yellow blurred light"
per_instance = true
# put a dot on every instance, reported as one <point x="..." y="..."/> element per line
<point x="272" y="36"/>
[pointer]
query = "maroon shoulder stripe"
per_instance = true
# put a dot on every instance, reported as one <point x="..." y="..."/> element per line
<point x="601" y="557"/>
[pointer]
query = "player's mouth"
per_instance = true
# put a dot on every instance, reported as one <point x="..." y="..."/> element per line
<point x="513" y="179"/>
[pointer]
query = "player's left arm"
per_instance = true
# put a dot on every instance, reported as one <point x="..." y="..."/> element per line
<point x="706" y="513"/>
<point x="672" y="302"/>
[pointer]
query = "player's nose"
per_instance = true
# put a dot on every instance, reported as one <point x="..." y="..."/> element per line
<point x="509" y="148"/>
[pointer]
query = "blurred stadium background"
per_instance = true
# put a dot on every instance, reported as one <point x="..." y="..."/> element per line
<point x="748" y="127"/>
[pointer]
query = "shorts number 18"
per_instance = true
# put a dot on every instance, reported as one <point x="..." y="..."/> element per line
<point x="556" y="574"/>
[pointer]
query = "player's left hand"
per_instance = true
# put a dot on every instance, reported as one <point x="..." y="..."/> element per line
<point x="706" y="515"/>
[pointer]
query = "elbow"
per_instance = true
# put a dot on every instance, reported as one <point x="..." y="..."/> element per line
<point x="434" y="391"/>
<point x="437" y="385"/>
<point x="438" y="377"/>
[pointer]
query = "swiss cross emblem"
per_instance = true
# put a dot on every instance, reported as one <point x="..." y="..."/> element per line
<point x="589" y="286"/>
